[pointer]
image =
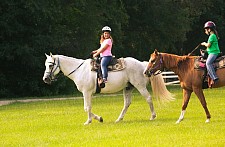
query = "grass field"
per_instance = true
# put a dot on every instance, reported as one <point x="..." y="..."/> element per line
<point x="60" y="123"/>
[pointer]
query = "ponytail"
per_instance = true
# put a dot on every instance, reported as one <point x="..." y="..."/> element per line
<point x="215" y="31"/>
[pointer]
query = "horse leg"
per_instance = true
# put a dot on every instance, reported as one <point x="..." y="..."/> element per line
<point x="99" y="118"/>
<point x="186" y="98"/>
<point x="201" y="97"/>
<point x="87" y="108"/>
<point x="144" y="92"/>
<point x="127" y="91"/>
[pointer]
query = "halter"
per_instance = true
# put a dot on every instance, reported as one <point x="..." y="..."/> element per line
<point x="155" y="71"/>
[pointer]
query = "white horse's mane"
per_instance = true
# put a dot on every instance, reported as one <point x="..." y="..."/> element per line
<point x="69" y="59"/>
<point x="62" y="56"/>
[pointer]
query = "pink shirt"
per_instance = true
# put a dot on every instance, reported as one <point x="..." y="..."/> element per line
<point x="107" y="51"/>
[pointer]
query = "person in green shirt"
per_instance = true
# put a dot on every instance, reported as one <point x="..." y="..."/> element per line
<point x="212" y="48"/>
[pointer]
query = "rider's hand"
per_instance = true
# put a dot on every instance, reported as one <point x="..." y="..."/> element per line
<point x="203" y="43"/>
<point x="95" y="55"/>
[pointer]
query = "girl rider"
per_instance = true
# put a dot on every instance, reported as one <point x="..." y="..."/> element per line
<point x="212" y="48"/>
<point x="106" y="42"/>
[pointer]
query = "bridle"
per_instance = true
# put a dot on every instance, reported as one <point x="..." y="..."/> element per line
<point x="155" y="71"/>
<point x="51" y="75"/>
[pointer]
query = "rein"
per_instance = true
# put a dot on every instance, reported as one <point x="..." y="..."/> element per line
<point x="194" y="50"/>
<point x="89" y="56"/>
<point x="75" y="69"/>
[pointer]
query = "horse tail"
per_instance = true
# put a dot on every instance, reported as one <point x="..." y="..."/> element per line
<point x="159" y="89"/>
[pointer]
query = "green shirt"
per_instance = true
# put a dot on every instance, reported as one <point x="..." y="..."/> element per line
<point x="214" y="48"/>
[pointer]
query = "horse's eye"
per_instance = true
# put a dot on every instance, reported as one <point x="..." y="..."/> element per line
<point x="152" y="61"/>
<point x="50" y="66"/>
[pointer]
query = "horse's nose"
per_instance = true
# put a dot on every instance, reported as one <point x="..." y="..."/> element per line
<point x="146" y="73"/>
<point x="46" y="80"/>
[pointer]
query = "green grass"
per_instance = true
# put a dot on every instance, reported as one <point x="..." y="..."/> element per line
<point x="60" y="123"/>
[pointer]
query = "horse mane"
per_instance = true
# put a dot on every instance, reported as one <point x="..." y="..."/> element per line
<point x="178" y="63"/>
<point x="71" y="59"/>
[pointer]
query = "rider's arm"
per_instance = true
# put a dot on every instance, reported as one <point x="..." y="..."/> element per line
<point x="100" y="50"/>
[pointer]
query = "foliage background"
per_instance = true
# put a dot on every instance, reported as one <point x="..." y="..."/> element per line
<point x="29" y="29"/>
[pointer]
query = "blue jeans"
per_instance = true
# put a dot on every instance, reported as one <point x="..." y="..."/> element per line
<point x="104" y="64"/>
<point x="209" y="64"/>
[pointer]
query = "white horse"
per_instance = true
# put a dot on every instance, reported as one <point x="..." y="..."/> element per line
<point x="132" y="76"/>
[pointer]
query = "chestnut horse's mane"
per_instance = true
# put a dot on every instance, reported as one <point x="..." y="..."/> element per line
<point x="180" y="63"/>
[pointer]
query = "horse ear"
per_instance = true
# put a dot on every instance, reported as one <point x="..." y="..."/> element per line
<point x="46" y="55"/>
<point x="50" y="54"/>
<point x="156" y="52"/>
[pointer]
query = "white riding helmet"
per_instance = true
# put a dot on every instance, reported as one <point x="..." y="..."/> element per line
<point x="106" y="29"/>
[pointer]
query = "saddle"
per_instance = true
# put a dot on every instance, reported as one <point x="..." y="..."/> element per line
<point x="200" y="64"/>
<point x="114" y="65"/>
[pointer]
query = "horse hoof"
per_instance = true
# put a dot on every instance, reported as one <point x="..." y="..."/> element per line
<point x="207" y="121"/>
<point x="118" y="120"/>
<point x="101" y="119"/>
<point x="153" y="117"/>
<point x="178" y="121"/>
<point x="87" y="122"/>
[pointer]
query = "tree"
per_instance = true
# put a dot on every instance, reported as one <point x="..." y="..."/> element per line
<point x="208" y="10"/>
<point x="31" y="28"/>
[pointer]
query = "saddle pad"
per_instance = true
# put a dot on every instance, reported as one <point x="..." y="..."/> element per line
<point x="199" y="63"/>
<point x="115" y="65"/>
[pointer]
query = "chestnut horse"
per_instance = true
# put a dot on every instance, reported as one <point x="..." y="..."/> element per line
<point x="190" y="78"/>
